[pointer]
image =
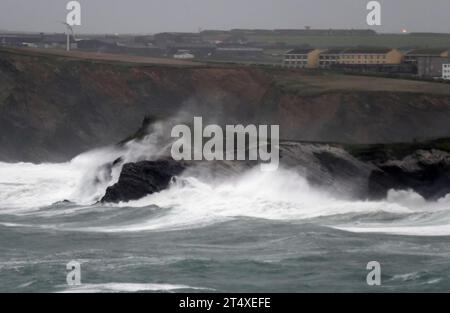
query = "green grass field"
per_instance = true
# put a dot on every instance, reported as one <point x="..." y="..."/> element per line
<point x="303" y="82"/>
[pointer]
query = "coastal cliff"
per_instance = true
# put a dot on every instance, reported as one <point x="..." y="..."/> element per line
<point x="55" y="107"/>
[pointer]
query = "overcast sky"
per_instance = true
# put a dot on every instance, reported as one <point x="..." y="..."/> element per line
<point x="151" y="16"/>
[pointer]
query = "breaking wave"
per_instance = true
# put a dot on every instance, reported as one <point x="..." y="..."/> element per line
<point x="65" y="196"/>
<point x="29" y="189"/>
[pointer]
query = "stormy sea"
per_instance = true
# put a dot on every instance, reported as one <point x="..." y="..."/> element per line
<point x="252" y="232"/>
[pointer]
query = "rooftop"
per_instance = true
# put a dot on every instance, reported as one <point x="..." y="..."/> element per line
<point x="334" y="51"/>
<point x="430" y="52"/>
<point x="300" y="51"/>
<point x="368" y="50"/>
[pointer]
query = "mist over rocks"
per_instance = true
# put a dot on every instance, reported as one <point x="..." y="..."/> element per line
<point x="323" y="165"/>
<point x="358" y="172"/>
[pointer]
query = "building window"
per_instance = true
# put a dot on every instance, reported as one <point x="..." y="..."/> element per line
<point x="446" y="71"/>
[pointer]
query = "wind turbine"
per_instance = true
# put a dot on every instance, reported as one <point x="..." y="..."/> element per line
<point x="69" y="31"/>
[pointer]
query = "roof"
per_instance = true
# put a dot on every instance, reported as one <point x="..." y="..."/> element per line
<point x="192" y="45"/>
<point x="240" y="49"/>
<point x="433" y="58"/>
<point x="430" y="52"/>
<point x="334" y="51"/>
<point x="300" y="51"/>
<point x="368" y="50"/>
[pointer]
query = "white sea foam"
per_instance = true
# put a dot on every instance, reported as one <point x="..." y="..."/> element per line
<point x="280" y="195"/>
<point x="127" y="287"/>
<point x="27" y="187"/>
<point x="195" y="202"/>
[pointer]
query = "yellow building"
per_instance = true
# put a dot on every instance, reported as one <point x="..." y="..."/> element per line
<point x="330" y="57"/>
<point x="368" y="56"/>
<point x="302" y="58"/>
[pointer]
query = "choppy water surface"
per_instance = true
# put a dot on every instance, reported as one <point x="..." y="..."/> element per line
<point x="261" y="232"/>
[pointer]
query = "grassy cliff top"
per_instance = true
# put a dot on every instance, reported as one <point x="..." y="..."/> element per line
<point x="103" y="57"/>
<point x="322" y="81"/>
<point x="302" y="82"/>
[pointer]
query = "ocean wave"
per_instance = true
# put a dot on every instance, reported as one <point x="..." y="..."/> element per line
<point x="434" y="230"/>
<point x="128" y="288"/>
<point x="29" y="191"/>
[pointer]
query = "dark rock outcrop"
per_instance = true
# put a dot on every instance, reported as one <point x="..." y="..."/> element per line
<point x="425" y="172"/>
<point x="330" y="167"/>
<point x="143" y="178"/>
<point x="325" y="166"/>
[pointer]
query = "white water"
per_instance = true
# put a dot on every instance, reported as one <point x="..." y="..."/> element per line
<point x="26" y="186"/>
<point x="127" y="287"/>
<point x="284" y="195"/>
<point x="280" y="195"/>
<point x="83" y="180"/>
<point x="191" y="202"/>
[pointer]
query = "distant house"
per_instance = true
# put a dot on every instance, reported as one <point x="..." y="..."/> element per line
<point x="21" y="39"/>
<point x="165" y="39"/>
<point x="198" y="49"/>
<point x="367" y="56"/>
<point x="413" y="55"/>
<point x="112" y="46"/>
<point x="185" y="55"/>
<point x="433" y="67"/>
<point x="302" y="58"/>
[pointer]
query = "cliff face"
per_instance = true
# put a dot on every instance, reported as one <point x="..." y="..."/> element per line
<point x="52" y="108"/>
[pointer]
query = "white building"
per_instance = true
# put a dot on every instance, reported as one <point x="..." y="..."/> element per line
<point x="183" y="54"/>
<point x="446" y="71"/>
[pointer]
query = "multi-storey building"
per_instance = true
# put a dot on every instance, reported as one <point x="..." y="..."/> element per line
<point x="433" y="67"/>
<point x="412" y="56"/>
<point x="302" y="58"/>
<point x="313" y="58"/>
<point x="368" y="56"/>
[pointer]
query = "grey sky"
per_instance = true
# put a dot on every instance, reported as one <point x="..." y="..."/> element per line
<point x="151" y="16"/>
